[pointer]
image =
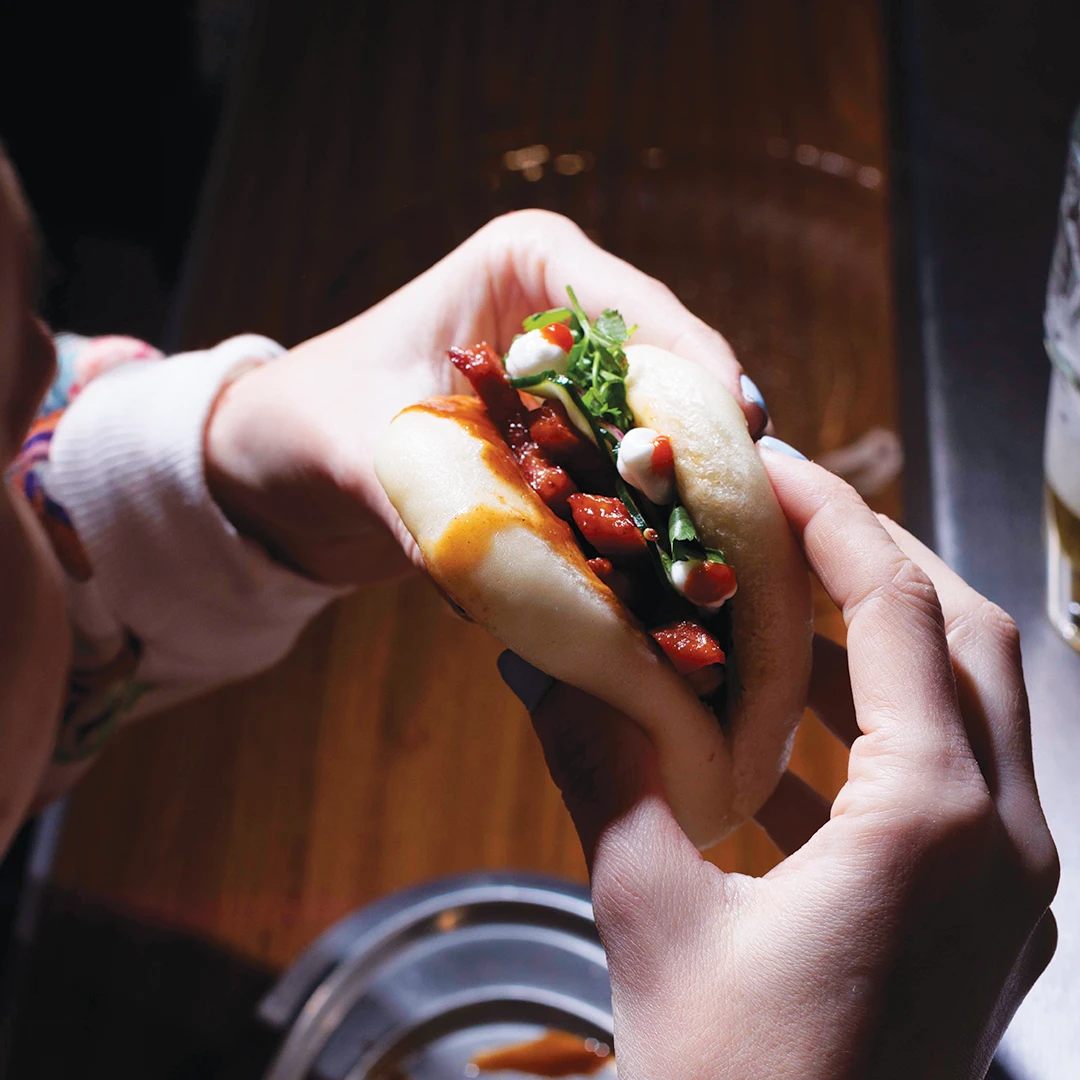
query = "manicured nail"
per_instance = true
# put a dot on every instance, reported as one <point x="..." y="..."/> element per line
<point x="528" y="683"/>
<point x="753" y="395"/>
<point x="778" y="446"/>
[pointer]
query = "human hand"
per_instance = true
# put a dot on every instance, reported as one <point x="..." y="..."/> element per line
<point x="290" y="445"/>
<point x="906" y="923"/>
<point x="34" y="632"/>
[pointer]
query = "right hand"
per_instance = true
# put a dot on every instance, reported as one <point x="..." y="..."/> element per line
<point x="291" y="445"/>
<point x="909" y="920"/>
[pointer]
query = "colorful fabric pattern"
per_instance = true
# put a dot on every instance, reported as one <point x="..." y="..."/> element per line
<point x="79" y="360"/>
<point x="102" y="686"/>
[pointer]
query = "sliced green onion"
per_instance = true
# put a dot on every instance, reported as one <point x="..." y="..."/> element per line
<point x="545" y="318"/>
<point x="555" y="387"/>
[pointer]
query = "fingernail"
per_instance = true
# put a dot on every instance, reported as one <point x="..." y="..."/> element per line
<point x="529" y="684"/>
<point x="754" y="396"/>
<point x="778" y="446"/>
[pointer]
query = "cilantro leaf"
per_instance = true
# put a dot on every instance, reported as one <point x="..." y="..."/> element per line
<point x="597" y="363"/>
<point x="611" y="325"/>
<point x="576" y="309"/>
<point x="684" y="540"/>
<point x="680" y="524"/>
<point x="682" y="536"/>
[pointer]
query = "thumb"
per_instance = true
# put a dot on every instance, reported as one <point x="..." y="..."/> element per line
<point x="652" y="892"/>
<point x="602" y="762"/>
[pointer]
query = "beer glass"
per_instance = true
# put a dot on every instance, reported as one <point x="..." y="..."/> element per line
<point x="1062" y="445"/>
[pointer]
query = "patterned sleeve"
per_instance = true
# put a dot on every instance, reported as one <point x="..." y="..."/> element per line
<point x="165" y="598"/>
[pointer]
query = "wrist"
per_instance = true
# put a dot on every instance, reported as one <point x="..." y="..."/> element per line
<point x="275" y="472"/>
<point x="231" y="466"/>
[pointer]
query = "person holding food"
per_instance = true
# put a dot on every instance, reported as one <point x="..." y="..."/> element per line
<point x="170" y="523"/>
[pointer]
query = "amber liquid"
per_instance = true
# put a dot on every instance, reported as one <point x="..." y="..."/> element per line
<point x="1063" y="568"/>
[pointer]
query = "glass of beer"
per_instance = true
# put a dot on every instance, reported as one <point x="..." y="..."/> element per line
<point x="1062" y="446"/>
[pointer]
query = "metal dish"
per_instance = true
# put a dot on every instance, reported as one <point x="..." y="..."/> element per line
<point x="418" y="983"/>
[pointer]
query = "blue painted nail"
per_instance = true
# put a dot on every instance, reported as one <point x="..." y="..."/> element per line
<point x="778" y="446"/>
<point x="529" y="684"/>
<point x="753" y="395"/>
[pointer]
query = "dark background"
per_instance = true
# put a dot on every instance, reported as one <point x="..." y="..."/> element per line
<point x="109" y="112"/>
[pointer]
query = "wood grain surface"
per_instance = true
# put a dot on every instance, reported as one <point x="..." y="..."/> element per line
<point x="736" y="150"/>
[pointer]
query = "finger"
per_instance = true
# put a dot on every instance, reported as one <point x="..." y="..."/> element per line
<point x="793" y="813"/>
<point x="901" y="676"/>
<point x="602" y="762"/>
<point x="985" y="650"/>
<point x="541" y="253"/>
<point x="651" y="890"/>
<point x="1037" y="953"/>
<point x="829" y="695"/>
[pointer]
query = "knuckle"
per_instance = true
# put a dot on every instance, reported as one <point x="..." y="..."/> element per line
<point x="986" y="621"/>
<point x="632" y="892"/>
<point x="961" y="815"/>
<point x="639" y="873"/>
<point x="962" y="829"/>
<point x="1043" y="872"/>
<point x="909" y="584"/>
<point x="694" y="333"/>
<point x="699" y="340"/>
<point x="532" y="220"/>
<point x="908" y="587"/>
<point x="1001" y="625"/>
<point x="1030" y="877"/>
<point x="632" y="935"/>
<point x="899" y="581"/>
<point x="949" y="819"/>
<point x="1042" y="945"/>
<point x="956" y="834"/>
<point x="840" y="505"/>
<point x="617" y="894"/>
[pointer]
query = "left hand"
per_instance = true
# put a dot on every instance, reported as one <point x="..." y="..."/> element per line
<point x="290" y="445"/>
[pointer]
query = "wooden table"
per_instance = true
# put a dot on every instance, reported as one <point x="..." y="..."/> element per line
<point x="736" y="150"/>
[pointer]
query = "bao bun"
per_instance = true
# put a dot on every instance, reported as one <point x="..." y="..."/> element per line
<point x="504" y="557"/>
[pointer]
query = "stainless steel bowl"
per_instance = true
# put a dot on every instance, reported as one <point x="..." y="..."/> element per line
<point x="418" y="983"/>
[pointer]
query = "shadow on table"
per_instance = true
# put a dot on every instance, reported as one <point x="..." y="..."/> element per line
<point x="109" y="996"/>
<point x="106" y="995"/>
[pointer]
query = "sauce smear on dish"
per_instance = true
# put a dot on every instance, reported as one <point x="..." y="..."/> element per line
<point x="557" y="1053"/>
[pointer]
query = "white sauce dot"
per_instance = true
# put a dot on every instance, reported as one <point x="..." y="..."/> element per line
<point x="533" y="354"/>
<point x="680" y="577"/>
<point x="680" y="573"/>
<point x="635" y="466"/>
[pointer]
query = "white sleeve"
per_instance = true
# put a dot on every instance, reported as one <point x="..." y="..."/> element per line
<point x="176" y="601"/>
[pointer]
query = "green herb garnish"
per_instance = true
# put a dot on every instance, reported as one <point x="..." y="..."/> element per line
<point x="593" y="390"/>
<point x="682" y="535"/>
<point x="597" y="364"/>
<point x="550" y="384"/>
<point x="684" y="541"/>
<point x="545" y="318"/>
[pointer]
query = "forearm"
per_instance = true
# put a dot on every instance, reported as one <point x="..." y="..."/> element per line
<point x="165" y="597"/>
